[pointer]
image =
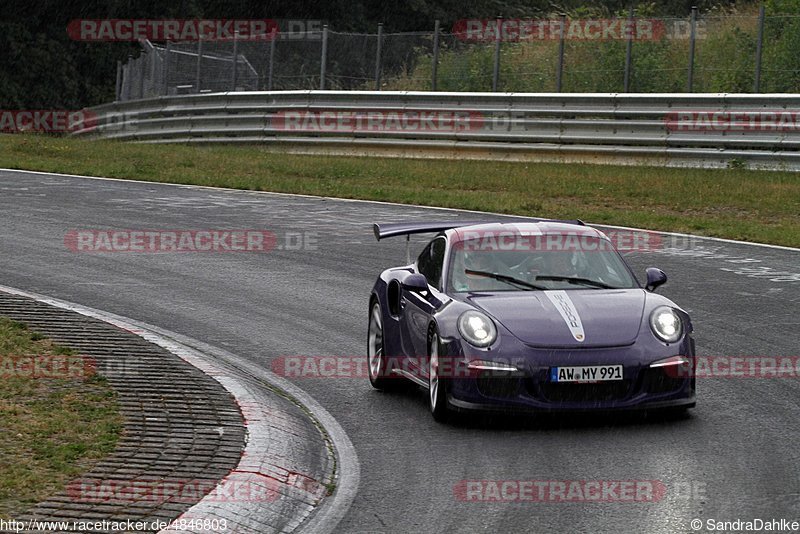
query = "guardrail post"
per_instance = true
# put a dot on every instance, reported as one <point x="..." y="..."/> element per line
<point x="560" y="70"/>
<point x="628" y="50"/>
<point x="435" y="66"/>
<point x="496" y="72"/>
<point x="378" y="58"/>
<point x="118" y="85"/>
<point x="323" y="58"/>
<point x="235" y="60"/>
<point x="271" y="67"/>
<point x="692" y="37"/>
<point x="165" y="70"/>
<point x="199" y="67"/>
<point x="759" y="47"/>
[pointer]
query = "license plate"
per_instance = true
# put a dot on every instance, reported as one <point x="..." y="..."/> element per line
<point x="588" y="373"/>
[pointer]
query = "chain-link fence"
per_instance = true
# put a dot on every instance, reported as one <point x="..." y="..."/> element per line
<point x="749" y="52"/>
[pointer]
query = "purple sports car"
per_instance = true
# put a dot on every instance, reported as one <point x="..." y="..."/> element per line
<point x="527" y="316"/>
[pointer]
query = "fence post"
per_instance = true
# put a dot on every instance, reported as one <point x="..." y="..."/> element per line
<point x="270" y="70"/>
<point x="199" y="67"/>
<point x="692" y="37"/>
<point x="324" y="57"/>
<point x="560" y="70"/>
<point x="235" y="60"/>
<point x="496" y="72"/>
<point x="140" y="64"/>
<point x="118" y="86"/>
<point x="165" y="70"/>
<point x="759" y="47"/>
<point x="123" y="92"/>
<point x="155" y="73"/>
<point x="378" y="57"/>
<point x="628" y="50"/>
<point x="127" y="87"/>
<point x="435" y="69"/>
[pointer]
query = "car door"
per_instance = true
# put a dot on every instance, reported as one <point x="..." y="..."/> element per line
<point x="417" y="308"/>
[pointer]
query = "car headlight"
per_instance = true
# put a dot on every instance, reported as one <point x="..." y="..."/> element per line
<point x="666" y="324"/>
<point x="477" y="328"/>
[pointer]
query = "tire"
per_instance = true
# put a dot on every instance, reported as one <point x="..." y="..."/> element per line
<point x="438" y="386"/>
<point x="379" y="377"/>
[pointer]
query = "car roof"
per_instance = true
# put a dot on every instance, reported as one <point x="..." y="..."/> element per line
<point x="517" y="228"/>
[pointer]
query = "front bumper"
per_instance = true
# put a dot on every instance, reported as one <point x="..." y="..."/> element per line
<point x="462" y="405"/>
<point x="530" y="390"/>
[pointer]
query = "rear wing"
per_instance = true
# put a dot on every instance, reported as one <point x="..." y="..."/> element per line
<point x="382" y="231"/>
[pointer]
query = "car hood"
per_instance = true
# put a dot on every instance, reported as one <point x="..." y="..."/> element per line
<point x="571" y="318"/>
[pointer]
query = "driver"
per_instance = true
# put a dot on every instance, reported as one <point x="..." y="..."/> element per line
<point x="477" y="261"/>
<point x="560" y="263"/>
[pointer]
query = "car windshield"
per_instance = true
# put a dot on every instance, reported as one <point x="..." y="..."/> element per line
<point x="589" y="263"/>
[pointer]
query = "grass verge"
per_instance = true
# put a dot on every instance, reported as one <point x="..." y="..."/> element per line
<point x="51" y="429"/>
<point x="734" y="203"/>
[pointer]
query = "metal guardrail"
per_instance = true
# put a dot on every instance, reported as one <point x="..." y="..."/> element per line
<point x="703" y="130"/>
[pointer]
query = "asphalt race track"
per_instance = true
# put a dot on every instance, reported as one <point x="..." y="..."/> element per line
<point x="735" y="457"/>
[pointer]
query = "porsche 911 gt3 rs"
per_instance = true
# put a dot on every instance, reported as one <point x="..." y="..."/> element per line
<point x="527" y="316"/>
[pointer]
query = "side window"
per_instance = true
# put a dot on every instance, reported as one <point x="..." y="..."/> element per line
<point x="431" y="260"/>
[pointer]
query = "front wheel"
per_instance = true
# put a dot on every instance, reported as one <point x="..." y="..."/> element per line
<point x="376" y="355"/>
<point x="437" y="384"/>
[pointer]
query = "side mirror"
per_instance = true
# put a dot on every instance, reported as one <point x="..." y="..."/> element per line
<point x="415" y="282"/>
<point x="655" y="278"/>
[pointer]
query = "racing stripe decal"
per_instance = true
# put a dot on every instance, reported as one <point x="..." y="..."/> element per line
<point x="566" y="308"/>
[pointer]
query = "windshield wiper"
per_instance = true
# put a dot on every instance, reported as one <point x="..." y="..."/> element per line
<point x="576" y="280"/>
<point x="504" y="278"/>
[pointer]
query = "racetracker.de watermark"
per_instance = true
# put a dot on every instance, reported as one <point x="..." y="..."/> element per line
<point x="54" y="366"/>
<point x="157" y="491"/>
<point x="172" y="29"/>
<point x="378" y="121"/>
<point x="358" y="366"/>
<point x="557" y="491"/>
<point x="207" y="240"/>
<point x="46" y="120"/>
<point x="588" y="241"/>
<point x="300" y="29"/>
<point x="615" y="29"/>
<point x="738" y="367"/>
<point x="711" y="121"/>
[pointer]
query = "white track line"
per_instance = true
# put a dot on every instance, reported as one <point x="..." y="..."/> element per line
<point x="213" y="188"/>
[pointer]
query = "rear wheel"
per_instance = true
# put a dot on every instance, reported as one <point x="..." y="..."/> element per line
<point x="376" y="355"/>
<point x="437" y="384"/>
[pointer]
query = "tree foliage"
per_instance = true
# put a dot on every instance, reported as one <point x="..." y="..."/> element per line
<point x="41" y="68"/>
